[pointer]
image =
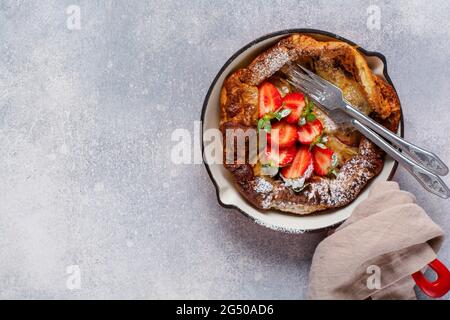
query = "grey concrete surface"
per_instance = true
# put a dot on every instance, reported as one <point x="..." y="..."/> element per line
<point x="86" y="118"/>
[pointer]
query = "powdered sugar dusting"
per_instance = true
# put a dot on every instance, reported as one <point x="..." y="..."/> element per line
<point x="263" y="186"/>
<point x="275" y="59"/>
<point x="348" y="183"/>
<point x="321" y="192"/>
<point x="266" y="203"/>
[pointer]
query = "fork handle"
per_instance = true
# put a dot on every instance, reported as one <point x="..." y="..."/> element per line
<point x="427" y="179"/>
<point x="425" y="158"/>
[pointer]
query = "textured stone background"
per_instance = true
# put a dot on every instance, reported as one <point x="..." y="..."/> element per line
<point x="85" y="123"/>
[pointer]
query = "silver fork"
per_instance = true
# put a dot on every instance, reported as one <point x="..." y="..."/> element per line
<point x="424" y="165"/>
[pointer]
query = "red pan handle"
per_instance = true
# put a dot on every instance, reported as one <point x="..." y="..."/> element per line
<point x="440" y="286"/>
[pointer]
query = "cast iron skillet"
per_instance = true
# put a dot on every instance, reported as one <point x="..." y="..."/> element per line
<point x="238" y="53"/>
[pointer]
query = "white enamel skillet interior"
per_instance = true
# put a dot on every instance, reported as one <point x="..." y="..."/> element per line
<point x="228" y="196"/>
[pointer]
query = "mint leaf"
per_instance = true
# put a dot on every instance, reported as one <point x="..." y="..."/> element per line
<point x="281" y="114"/>
<point x="334" y="160"/>
<point x="307" y="114"/>
<point x="310" y="105"/>
<point x="261" y="123"/>
<point x="310" y="117"/>
<point x="267" y="126"/>
<point x="285" y="112"/>
<point x="309" y="108"/>
<point x="278" y="116"/>
<point x="264" y="123"/>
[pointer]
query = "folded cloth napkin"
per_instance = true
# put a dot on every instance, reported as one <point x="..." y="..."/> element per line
<point x="387" y="238"/>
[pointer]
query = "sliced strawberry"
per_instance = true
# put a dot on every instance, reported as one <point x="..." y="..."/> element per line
<point x="300" y="164"/>
<point x="269" y="99"/>
<point x="287" y="134"/>
<point x="296" y="102"/>
<point x="309" y="131"/>
<point x="322" y="160"/>
<point x="281" y="157"/>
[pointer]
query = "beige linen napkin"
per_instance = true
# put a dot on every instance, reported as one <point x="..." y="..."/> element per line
<point x="373" y="254"/>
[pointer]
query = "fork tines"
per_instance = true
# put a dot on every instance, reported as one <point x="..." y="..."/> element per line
<point x="306" y="81"/>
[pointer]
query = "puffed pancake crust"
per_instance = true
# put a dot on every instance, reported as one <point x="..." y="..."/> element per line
<point x="359" y="159"/>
